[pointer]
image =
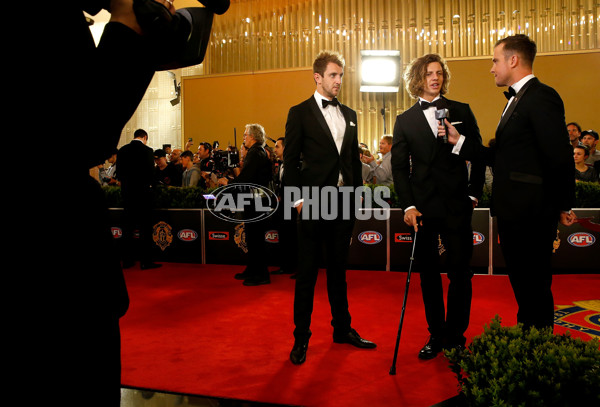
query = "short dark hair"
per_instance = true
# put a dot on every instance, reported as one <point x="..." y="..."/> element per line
<point x="282" y="140"/>
<point x="140" y="133"/>
<point x="324" y="58"/>
<point x="206" y="146"/>
<point x="576" y="125"/>
<point x="522" y="45"/>
<point x="586" y="150"/>
<point x="187" y="153"/>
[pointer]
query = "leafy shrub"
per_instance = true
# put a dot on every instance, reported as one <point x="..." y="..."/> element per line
<point x="509" y="367"/>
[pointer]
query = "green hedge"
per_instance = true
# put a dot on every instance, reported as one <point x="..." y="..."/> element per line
<point x="587" y="195"/>
<point x="513" y="366"/>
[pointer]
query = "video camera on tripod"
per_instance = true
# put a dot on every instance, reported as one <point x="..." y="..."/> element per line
<point x="225" y="159"/>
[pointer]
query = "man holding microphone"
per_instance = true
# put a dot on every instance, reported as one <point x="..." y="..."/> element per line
<point x="434" y="190"/>
<point x="534" y="182"/>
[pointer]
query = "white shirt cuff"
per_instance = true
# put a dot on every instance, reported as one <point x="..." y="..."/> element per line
<point x="458" y="146"/>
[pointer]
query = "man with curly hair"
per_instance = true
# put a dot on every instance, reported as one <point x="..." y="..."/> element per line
<point x="438" y="198"/>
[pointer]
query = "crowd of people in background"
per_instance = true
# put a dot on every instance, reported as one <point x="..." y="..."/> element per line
<point x="185" y="168"/>
<point x="585" y="154"/>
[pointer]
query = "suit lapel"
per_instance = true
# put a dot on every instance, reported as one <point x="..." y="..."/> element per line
<point x="513" y="106"/>
<point x="347" y="137"/>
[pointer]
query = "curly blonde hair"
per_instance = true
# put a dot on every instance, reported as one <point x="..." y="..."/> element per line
<point x="414" y="75"/>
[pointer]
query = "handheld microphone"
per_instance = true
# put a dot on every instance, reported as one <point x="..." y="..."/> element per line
<point x="442" y="115"/>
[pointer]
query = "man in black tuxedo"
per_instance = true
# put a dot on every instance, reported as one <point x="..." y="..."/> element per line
<point x="534" y="179"/>
<point x="321" y="150"/>
<point x="288" y="241"/>
<point x="434" y="190"/>
<point x="136" y="174"/>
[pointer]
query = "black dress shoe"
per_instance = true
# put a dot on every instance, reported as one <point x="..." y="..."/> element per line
<point x="148" y="266"/>
<point x="298" y="353"/>
<point x="353" y="338"/>
<point x="257" y="280"/>
<point x="241" y="276"/>
<point x="431" y="349"/>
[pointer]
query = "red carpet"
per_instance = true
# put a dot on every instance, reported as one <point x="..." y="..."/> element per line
<point x="194" y="329"/>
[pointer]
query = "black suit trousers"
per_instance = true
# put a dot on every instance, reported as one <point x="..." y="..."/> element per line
<point x="528" y="263"/>
<point x="288" y="239"/>
<point x="331" y="237"/>
<point x="456" y="235"/>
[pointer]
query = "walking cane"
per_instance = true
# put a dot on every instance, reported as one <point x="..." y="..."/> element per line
<point x="412" y="257"/>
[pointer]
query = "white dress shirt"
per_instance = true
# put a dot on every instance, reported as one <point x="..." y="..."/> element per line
<point x="336" y="122"/>
<point x="517" y="87"/>
<point x="334" y="118"/>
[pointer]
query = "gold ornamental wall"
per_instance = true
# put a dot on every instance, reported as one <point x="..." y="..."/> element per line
<point x="264" y="35"/>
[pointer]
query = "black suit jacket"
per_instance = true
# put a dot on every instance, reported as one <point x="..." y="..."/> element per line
<point x="426" y="173"/>
<point x="311" y="157"/>
<point x="532" y="158"/>
<point x="257" y="168"/>
<point x="135" y="170"/>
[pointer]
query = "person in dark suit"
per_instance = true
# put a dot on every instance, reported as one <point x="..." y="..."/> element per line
<point x="534" y="181"/>
<point x="257" y="170"/>
<point x="286" y="227"/>
<point x="136" y="174"/>
<point x="434" y="190"/>
<point x="321" y="150"/>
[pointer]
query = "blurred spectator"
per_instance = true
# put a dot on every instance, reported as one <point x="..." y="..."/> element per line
<point x="106" y="175"/>
<point x="583" y="172"/>
<point x="191" y="173"/>
<point x="166" y="173"/>
<point x="286" y="227"/>
<point x="380" y="172"/>
<point x="574" y="130"/>
<point x="590" y="139"/>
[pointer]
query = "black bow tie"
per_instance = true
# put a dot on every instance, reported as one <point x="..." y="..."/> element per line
<point x="333" y="102"/>
<point x="511" y="93"/>
<point x="426" y="105"/>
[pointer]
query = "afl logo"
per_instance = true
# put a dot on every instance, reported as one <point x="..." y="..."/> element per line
<point x="478" y="238"/>
<point x="272" y="236"/>
<point x="370" y="237"/>
<point x="187" y="235"/>
<point x="581" y="239"/>
<point x="117" y="233"/>
<point x="227" y="201"/>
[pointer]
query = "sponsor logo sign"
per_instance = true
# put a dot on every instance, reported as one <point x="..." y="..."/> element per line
<point x="581" y="239"/>
<point x="478" y="238"/>
<point x="370" y="237"/>
<point x="272" y="236"/>
<point x="187" y="235"/>
<point x="162" y="235"/>
<point x="402" y="237"/>
<point x="218" y="235"/>
<point x="117" y="233"/>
